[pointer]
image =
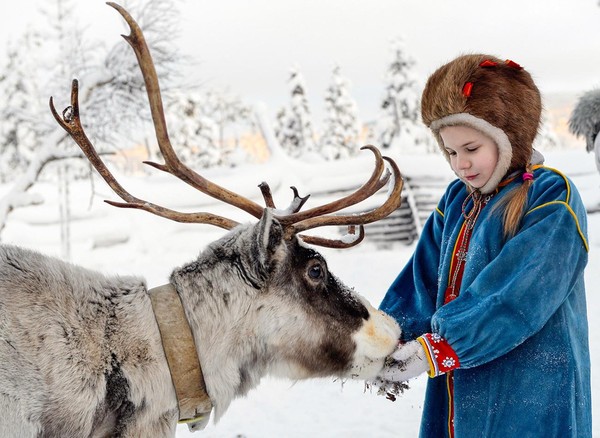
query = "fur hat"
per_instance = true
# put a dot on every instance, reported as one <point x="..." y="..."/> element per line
<point x="585" y="118"/>
<point x="498" y="98"/>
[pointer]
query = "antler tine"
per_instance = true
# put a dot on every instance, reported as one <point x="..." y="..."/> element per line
<point x="297" y="202"/>
<point x="342" y="243"/>
<point x="374" y="183"/>
<point x="267" y="196"/>
<point x="173" y="164"/>
<point x="71" y="123"/>
<point x="392" y="203"/>
<point x="295" y="206"/>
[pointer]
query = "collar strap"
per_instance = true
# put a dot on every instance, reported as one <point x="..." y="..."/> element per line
<point x="180" y="350"/>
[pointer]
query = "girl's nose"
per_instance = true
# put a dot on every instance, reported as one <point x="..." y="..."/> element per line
<point x="463" y="163"/>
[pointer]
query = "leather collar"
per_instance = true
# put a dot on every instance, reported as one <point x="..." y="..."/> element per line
<point x="180" y="350"/>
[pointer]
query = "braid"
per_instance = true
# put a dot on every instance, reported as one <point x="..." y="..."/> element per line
<point x="515" y="202"/>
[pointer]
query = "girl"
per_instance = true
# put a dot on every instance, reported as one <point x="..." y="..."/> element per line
<point x="492" y="302"/>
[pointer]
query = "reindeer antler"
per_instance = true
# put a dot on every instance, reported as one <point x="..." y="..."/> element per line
<point x="71" y="122"/>
<point x="293" y="220"/>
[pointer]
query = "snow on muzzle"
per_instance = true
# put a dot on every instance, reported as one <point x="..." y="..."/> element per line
<point x="375" y="340"/>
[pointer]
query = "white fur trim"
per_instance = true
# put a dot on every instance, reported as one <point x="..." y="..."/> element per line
<point x="496" y="134"/>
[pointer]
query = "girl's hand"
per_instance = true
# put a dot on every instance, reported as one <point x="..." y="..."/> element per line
<point x="407" y="361"/>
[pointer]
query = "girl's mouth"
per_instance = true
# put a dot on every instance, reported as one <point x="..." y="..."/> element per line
<point x="471" y="177"/>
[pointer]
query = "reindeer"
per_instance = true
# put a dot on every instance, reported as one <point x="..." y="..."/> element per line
<point x="88" y="355"/>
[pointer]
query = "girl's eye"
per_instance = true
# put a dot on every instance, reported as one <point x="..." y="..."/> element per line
<point x="472" y="149"/>
<point x="451" y="153"/>
<point x="314" y="272"/>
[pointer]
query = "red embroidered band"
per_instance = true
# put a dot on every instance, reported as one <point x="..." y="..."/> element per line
<point x="440" y="355"/>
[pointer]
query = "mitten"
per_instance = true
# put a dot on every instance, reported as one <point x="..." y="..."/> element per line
<point x="407" y="361"/>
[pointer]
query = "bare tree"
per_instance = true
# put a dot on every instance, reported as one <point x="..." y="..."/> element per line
<point x="112" y="81"/>
<point x="18" y="196"/>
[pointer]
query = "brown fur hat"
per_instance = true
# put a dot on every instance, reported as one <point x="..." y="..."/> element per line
<point x="498" y="98"/>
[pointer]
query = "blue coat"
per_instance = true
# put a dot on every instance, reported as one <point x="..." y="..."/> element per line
<point x="519" y="325"/>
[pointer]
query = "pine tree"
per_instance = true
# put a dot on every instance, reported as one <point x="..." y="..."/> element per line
<point x="399" y="123"/>
<point x="231" y="115"/>
<point x="195" y="135"/>
<point x="342" y="128"/>
<point x="293" y="127"/>
<point x="202" y="123"/>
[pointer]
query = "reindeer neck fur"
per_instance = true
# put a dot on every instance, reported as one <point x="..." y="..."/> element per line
<point x="221" y="311"/>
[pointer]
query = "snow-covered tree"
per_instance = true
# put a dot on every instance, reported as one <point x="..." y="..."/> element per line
<point x="229" y="112"/>
<point x="111" y="94"/>
<point x="293" y="126"/>
<point x="399" y="122"/>
<point x="18" y="196"/>
<point x="341" y="127"/>
<point x="202" y="123"/>
<point x="194" y="134"/>
<point x="21" y="107"/>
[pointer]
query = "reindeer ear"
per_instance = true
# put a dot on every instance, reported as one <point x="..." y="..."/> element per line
<point x="269" y="236"/>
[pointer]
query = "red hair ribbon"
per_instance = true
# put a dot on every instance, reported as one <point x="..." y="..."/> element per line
<point x="513" y="64"/>
<point x="488" y="63"/>
<point x="466" y="91"/>
<point x="528" y="176"/>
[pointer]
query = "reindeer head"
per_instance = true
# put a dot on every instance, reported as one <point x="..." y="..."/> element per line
<point x="297" y="318"/>
<point x="260" y="303"/>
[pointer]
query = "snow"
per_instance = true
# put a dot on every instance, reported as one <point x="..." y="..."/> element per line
<point x="127" y="241"/>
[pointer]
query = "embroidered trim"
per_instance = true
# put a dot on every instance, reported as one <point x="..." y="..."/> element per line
<point x="430" y="361"/>
<point x="441" y="357"/>
<point x="461" y="247"/>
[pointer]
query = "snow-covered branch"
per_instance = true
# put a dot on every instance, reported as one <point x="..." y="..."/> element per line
<point x="18" y="196"/>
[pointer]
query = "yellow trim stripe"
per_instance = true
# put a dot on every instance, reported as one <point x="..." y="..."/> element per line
<point x="441" y="213"/>
<point x="431" y="370"/>
<point x="570" y="210"/>
<point x="565" y="203"/>
<point x="450" y="404"/>
<point x="563" y="177"/>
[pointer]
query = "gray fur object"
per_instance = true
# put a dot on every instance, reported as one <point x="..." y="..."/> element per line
<point x="585" y="118"/>
<point x="81" y="355"/>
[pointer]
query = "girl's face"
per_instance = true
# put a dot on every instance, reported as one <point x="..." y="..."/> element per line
<point x="473" y="155"/>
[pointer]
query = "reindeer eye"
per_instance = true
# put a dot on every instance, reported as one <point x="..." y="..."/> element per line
<point x="315" y="272"/>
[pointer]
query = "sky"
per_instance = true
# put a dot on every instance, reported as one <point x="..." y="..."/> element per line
<point x="249" y="46"/>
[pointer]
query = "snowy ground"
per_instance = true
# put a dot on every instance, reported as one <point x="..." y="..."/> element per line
<point x="125" y="241"/>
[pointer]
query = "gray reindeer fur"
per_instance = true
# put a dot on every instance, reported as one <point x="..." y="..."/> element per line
<point x="585" y="118"/>
<point x="81" y="355"/>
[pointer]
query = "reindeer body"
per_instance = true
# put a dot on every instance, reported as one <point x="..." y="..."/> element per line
<point x="81" y="353"/>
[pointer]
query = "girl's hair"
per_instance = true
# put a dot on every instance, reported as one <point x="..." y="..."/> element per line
<point x="514" y="205"/>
